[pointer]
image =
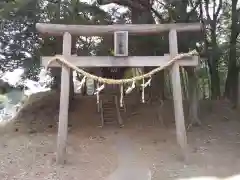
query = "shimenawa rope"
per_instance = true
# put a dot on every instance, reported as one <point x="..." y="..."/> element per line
<point x="62" y="60"/>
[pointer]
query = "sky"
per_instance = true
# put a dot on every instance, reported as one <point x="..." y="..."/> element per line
<point x="107" y="7"/>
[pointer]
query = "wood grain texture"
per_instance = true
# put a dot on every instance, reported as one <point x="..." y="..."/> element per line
<point x="177" y="95"/>
<point x="64" y="103"/>
<point x="131" y="61"/>
<point x="100" y="30"/>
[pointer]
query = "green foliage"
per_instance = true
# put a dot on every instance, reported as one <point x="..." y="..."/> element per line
<point x="21" y="45"/>
<point x="20" y="42"/>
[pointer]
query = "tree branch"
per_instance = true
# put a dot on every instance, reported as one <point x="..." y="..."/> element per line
<point x="218" y="9"/>
<point x="206" y="3"/>
<point x="127" y="3"/>
<point x="194" y="9"/>
<point x="149" y="6"/>
<point x="130" y="3"/>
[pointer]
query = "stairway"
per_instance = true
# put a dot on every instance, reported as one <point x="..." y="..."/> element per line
<point x="110" y="110"/>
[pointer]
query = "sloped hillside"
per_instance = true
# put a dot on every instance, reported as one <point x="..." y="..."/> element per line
<point x="28" y="144"/>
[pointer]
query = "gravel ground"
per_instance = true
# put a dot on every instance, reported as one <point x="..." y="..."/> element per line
<point x="29" y="153"/>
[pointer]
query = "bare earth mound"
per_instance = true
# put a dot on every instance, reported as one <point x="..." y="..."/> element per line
<point x="28" y="145"/>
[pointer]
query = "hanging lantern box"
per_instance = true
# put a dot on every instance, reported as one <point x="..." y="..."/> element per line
<point x="121" y="43"/>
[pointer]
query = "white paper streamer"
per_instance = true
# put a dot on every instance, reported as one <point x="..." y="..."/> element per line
<point x="144" y="85"/>
<point x="98" y="99"/>
<point x="81" y="83"/>
<point x="143" y="92"/>
<point x="121" y="97"/>
<point x="148" y="83"/>
<point x="99" y="89"/>
<point x="130" y="88"/>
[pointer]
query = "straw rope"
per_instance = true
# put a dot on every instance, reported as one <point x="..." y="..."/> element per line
<point x="63" y="61"/>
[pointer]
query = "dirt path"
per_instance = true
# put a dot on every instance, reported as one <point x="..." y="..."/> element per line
<point x="214" y="150"/>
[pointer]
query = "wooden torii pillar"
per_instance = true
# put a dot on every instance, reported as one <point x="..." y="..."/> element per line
<point x="109" y="61"/>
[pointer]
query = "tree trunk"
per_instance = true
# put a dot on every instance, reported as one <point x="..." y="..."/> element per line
<point x="214" y="76"/>
<point x="213" y="64"/>
<point x="156" y="91"/>
<point x="231" y="86"/>
<point x="193" y="96"/>
<point x="213" y="54"/>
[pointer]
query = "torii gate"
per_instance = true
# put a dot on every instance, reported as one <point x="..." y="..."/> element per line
<point x="110" y="61"/>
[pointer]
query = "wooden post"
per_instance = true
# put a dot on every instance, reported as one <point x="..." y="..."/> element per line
<point x="177" y="94"/>
<point x="64" y="103"/>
